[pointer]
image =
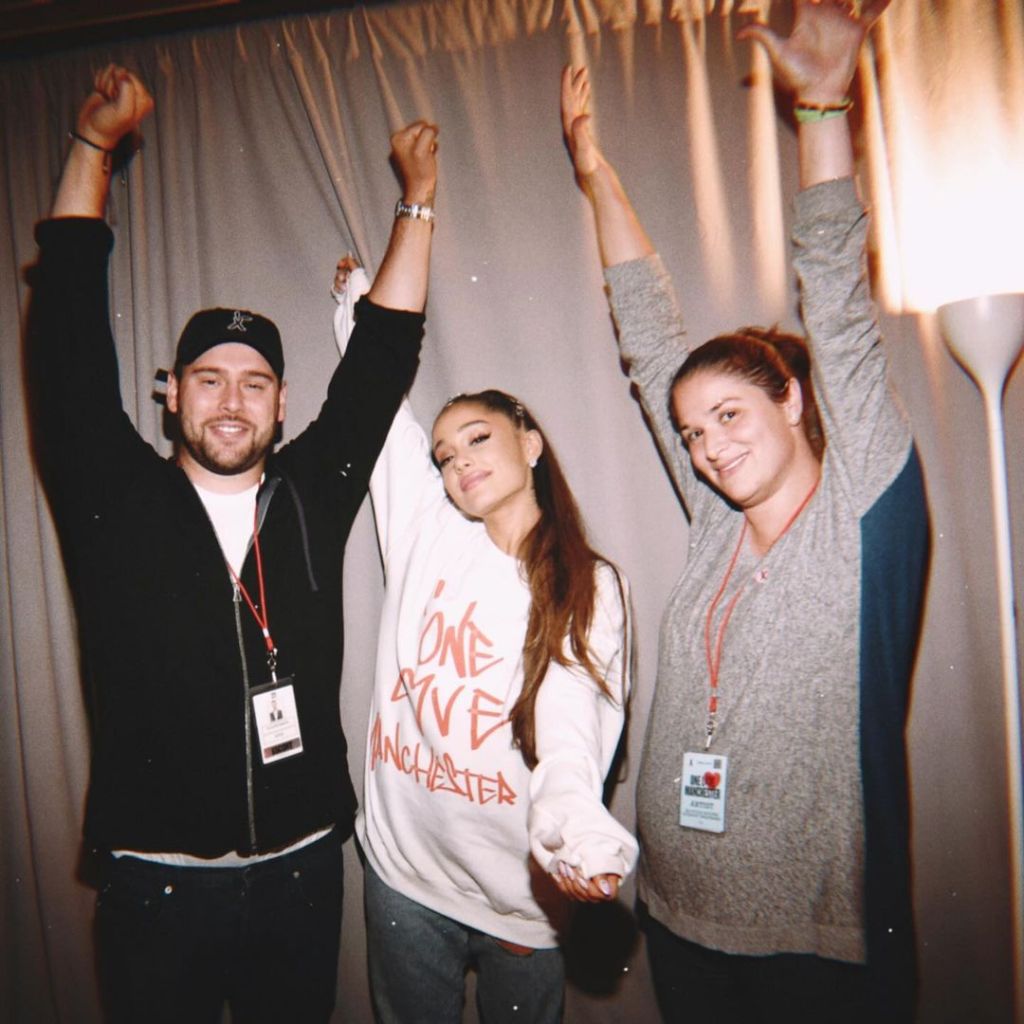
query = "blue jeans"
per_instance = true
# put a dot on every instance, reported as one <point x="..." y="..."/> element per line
<point x="418" y="961"/>
<point x="175" y="943"/>
<point x="694" y="983"/>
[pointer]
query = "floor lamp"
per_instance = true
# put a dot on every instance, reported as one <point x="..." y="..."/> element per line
<point x="985" y="335"/>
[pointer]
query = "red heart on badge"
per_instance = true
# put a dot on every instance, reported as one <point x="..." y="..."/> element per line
<point x="712" y="779"/>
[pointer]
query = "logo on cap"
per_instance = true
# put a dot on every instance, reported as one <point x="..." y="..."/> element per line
<point x="239" y="320"/>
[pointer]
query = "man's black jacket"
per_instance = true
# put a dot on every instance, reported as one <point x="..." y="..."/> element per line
<point x="167" y="651"/>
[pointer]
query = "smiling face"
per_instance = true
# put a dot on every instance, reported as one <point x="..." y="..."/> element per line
<point x="745" y="444"/>
<point x="484" y="458"/>
<point x="228" y="403"/>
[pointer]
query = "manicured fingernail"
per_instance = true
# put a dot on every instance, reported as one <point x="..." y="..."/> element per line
<point x="605" y="886"/>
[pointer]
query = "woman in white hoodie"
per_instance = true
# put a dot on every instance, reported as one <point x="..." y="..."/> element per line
<point x="502" y="676"/>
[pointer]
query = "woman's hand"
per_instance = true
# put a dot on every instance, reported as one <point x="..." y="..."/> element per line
<point x="576" y="123"/>
<point x="598" y="889"/>
<point x="818" y="59"/>
<point x="117" y="105"/>
<point x="414" y="154"/>
<point x="342" y="271"/>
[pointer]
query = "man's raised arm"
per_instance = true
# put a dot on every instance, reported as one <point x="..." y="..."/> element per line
<point x="401" y="282"/>
<point x="116" y="106"/>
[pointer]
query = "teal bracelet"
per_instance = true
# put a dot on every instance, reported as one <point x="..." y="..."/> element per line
<point x="809" y="113"/>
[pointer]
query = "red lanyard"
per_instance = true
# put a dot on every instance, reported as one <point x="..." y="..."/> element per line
<point x="714" y="658"/>
<point x="263" y="621"/>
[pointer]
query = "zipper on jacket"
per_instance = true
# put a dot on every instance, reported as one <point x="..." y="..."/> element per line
<point x="251" y="809"/>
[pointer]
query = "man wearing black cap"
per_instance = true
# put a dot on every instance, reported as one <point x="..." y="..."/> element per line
<point x="208" y="593"/>
<point x="220" y="445"/>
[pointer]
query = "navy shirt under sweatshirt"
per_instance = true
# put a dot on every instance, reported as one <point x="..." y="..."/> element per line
<point x="168" y="652"/>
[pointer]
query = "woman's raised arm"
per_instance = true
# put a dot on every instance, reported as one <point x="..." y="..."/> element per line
<point x="816" y="62"/>
<point x="620" y="235"/>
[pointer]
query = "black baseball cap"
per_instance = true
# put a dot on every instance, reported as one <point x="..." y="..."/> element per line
<point x="211" y="327"/>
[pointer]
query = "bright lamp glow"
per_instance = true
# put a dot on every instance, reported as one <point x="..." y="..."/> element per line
<point x="949" y="219"/>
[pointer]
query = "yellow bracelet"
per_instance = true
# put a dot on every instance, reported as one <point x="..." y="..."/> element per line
<point x="808" y="113"/>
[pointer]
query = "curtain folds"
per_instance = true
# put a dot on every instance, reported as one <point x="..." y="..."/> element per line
<point x="267" y="158"/>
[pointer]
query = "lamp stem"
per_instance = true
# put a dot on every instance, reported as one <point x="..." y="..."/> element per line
<point x="1011" y="688"/>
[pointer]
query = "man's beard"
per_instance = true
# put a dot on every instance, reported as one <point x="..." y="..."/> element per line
<point x="227" y="460"/>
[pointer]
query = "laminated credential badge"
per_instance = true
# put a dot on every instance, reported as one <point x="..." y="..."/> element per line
<point x="702" y="792"/>
<point x="277" y="720"/>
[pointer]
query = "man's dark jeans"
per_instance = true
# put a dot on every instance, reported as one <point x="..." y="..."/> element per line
<point x="176" y="943"/>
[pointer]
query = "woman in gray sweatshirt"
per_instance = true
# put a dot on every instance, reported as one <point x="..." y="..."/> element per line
<point x="772" y="800"/>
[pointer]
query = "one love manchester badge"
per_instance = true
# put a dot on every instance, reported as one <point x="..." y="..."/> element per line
<point x="702" y="794"/>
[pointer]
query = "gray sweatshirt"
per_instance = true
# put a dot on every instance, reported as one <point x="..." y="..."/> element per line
<point x="818" y="652"/>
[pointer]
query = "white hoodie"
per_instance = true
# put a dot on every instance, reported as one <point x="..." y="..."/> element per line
<point x="450" y="812"/>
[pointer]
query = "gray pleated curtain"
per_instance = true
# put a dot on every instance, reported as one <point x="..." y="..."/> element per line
<point x="266" y="159"/>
